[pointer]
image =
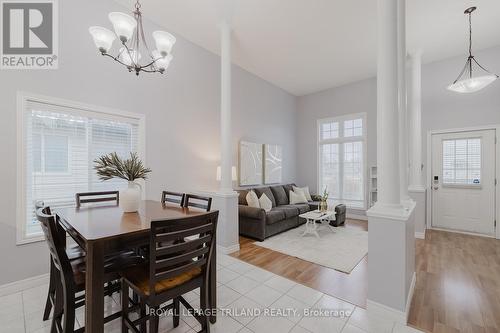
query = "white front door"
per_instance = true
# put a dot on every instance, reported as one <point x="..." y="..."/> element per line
<point x="463" y="181"/>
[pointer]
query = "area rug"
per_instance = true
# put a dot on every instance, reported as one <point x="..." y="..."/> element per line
<point x="341" y="250"/>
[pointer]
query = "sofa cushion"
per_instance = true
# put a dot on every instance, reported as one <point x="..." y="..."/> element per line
<point x="242" y="197"/>
<point x="302" y="208"/>
<point x="267" y="191"/>
<point x="274" y="216"/>
<point x="280" y="195"/>
<point x="289" y="210"/>
<point x="288" y="188"/>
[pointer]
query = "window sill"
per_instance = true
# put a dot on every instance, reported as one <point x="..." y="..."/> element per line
<point x="28" y="240"/>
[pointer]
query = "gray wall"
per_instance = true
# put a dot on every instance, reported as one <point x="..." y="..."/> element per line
<point x="181" y="108"/>
<point x="441" y="109"/>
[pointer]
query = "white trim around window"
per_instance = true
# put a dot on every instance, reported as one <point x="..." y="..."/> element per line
<point x="74" y="108"/>
<point x="339" y="138"/>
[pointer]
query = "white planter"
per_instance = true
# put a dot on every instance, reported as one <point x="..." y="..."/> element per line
<point x="130" y="198"/>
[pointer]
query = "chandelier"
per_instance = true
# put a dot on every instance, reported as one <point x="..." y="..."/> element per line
<point x="134" y="47"/>
<point x="466" y="82"/>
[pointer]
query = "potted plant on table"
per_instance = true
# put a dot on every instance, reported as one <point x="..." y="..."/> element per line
<point x="323" y="203"/>
<point x="113" y="166"/>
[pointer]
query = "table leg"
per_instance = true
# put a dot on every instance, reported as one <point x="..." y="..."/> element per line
<point x="94" y="288"/>
<point x="212" y="290"/>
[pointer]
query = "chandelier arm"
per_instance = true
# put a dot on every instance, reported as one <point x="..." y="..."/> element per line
<point x="484" y="69"/>
<point x="115" y="59"/>
<point x="463" y="71"/>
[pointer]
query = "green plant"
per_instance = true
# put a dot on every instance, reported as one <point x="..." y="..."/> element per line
<point x="112" y="166"/>
<point x="324" y="197"/>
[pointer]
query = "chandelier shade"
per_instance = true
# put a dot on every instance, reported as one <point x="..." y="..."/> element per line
<point x="123" y="24"/>
<point x="164" y="41"/>
<point x="134" y="48"/>
<point x="467" y="82"/>
<point x="103" y="38"/>
<point x="162" y="62"/>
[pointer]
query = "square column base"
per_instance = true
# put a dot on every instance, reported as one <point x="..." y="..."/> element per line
<point x="226" y="202"/>
<point x="418" y="194"/>
<point x="391" y="261"/>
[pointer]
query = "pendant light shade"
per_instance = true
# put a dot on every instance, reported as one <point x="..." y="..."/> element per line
<point x="123" y="24"/>
<point x="164" y="41"/>
<point x="103" y="38"/>
<point x="473" y="84"/>
<point x="466" y="81"/>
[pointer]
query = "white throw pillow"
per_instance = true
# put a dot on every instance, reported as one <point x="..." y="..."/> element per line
<point x="297" y="198"/>
<point x="305" y="191"/>
<point x="252" y="199"/>
<point x="265" y="203"/>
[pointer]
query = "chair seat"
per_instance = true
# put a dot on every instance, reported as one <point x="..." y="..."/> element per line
<point x="112" y="264"/>
<point x="74" y="251"/>
<point x="139" y="277"/>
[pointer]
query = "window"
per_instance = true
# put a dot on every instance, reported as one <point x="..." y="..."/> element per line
<point x="60" y="141"/>
<point x="462" y="162"/>
<point x="341" y="147"/>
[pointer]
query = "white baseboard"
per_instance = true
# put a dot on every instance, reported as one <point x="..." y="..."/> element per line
<point x="410" y="296"/>
<point x="228" y="249"/>
<point x="420" y="235"/>
<point x="357" y="216"/>
<point x="17" y="286"/>
<point x="389" y="313"/>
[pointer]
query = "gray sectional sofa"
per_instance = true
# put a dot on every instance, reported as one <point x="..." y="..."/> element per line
<point x="257" y="224"/>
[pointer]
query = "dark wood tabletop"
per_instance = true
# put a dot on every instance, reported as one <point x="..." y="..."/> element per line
<point x="102" y="230"/>
<point x="107" y="222"/>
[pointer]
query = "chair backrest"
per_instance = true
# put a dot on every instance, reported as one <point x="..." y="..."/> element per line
<point x="198" y="201"/>
<point x="55" y="237"/>
<point x="171" y="257"/>
<point x="92" y="197"/>
<point x="174" y="197"/>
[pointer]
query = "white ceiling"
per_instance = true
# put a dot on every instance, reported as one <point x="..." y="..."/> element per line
<point x="305" y="46"/>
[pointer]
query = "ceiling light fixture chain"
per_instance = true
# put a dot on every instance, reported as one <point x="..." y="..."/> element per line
<point x="130" y="31"/>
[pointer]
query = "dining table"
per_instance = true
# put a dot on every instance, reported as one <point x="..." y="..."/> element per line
<point x="104" y="230"/>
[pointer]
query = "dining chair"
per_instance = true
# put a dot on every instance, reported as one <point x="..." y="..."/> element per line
<point x="94" y="197"/>
<point x="173" y="197"/>
<point x="172" y="271"/>
<point x="198" y="201"/>
<point x="75" y="254"/>
<point x="69" y="276"/>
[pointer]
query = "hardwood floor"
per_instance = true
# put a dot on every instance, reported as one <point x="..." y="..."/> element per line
<point x="348" y="287"/>
<point x="458" y="284"/>
<point x="457" y="288"/>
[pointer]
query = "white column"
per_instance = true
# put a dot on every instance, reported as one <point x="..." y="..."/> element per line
<point x="416" y="189"/>
<point x="415" y="128"/>
<point x="391" y="242"/>
<point x="387" y="106"/>
<point x="225" y="113"/>
<point x="225" y="200"/>
<point x="402" y="103"/>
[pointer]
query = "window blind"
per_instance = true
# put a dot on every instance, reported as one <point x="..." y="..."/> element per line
<point x="61" y="145"/>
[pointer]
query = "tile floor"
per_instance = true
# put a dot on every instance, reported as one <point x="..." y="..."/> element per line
<point x="252" y="299"/>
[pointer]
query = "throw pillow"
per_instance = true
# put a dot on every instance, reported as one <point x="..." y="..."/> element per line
<point x="305" y="191"/>
<point x="265" y="203"/>
<point x="252" y="199"/>
<point x="297" y="198"/>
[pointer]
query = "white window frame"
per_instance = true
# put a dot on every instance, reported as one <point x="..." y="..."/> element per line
<point x="78" y="109"/>
<point x="340" y="140"/>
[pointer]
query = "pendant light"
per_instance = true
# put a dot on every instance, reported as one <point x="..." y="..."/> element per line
<point x="466" y="82"/>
